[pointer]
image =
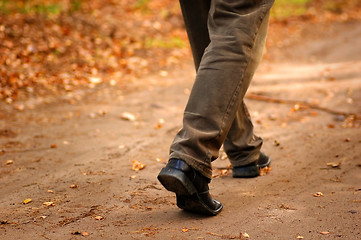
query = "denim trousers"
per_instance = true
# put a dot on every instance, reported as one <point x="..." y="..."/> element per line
<point x="227" y="39"/>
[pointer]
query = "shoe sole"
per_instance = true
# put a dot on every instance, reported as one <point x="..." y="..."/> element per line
<point x="187" y="195"/>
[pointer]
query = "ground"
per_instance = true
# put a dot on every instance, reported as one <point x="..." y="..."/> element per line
<point x="73" y="155"/>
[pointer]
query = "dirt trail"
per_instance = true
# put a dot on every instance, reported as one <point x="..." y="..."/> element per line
<point x="79" y="156"/>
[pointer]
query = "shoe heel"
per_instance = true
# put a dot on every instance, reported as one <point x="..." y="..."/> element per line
<point x="176" y="181"/>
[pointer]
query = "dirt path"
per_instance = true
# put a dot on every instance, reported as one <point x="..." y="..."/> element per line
<point x="77" y="157"/>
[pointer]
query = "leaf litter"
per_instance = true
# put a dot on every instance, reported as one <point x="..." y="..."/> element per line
<point x="46" y="53"/>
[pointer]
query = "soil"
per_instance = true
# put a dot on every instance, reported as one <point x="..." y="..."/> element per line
<point x="73" y="155"/>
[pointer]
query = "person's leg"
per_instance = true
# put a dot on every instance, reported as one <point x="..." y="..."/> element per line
<point x="241" y="145"/>
<point x="223" y="77"/>
<point x="195" y="15"/>
<point x="191" y="187"/>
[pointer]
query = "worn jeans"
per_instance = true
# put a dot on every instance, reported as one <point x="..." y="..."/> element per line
<point x="227" y="38"/>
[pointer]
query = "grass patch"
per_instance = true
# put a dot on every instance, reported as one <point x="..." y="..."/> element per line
<point x="283" y="9"/>
<point x="142" y="5"/>
<point x="38" y="6"/>
<point x="174" y="42"/>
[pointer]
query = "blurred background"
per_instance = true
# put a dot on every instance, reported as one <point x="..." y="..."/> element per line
<point x="57" y="46"/>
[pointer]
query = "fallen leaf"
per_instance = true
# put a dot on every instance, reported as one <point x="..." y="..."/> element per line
<point x="19" y="107"/>
<point x="163" y="73"/>
<point x="136" y="166"/>
<point x="284" y="206"/>
<point x="245" y="235"/>
<point x="50" y="191"/>
<point x="113" y="82"/>
<point x="224" y="172"/>
<point x="48" y="204"/>
<point x="334" y="164"/>
<point x="220" y="172"/>
<point x="73" y="186"/>
<point x="159" y="124"/>
<point x="318" y="194"/>
<point x="95" y="80"/>
<point x="325" y="233"/>
<point x="8" y="162"/>
<point x="28" y="200"/>
<point x="53" y="146"/>
<point x="85" y="234"/>
<point x="128" y="116"/>
<point x="185" y="230"/>
<point x="264" y="171"/>
<point x="276" y="143"/>
<point x="296" y="107"/>
<point x="299" y="237"/>
<point x="99" y="218"/>
<point x="133" y="177"/>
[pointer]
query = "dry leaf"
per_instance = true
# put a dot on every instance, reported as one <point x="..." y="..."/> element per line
<point x="73" y="186"/>
<point x="334" y="164"/>
<point x="28" y="200"/>
<point x="245" y="235"/>
<point x="296" y="107"/>
<point x="264" y="171"/>
<point x="48" y="204"/>
<point x="220" y="172"/>
<point x="276" y="143"/>
<point x="8" y="162"/>
<point x="99" y="218"/>
<point x="133" y="176"/>
<point x="128" y="116"/>
<point x="159" y="124"/>
<point x="113" y="82"/>
<point x="85" y="234"/>
<point x="318" y="194"/>
<point x="163" y="73"/>
<point x="50" y="191"/>
<point x="136" y="166"/>
<point x="185" y="230"/>
<point x="299" y="237"/>
<point x="325" y="233"/>
<point x="53" y="146"/>
<point x="95" y="80"/>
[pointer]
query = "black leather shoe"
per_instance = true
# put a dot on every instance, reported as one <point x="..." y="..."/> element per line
<point x="190" y="187"/>
<point x="253" y="169"/>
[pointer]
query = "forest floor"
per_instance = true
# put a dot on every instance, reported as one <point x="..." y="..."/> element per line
<point x="67" y="163"/>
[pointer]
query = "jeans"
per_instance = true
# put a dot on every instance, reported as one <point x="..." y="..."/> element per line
<point x="227" y="38"/>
